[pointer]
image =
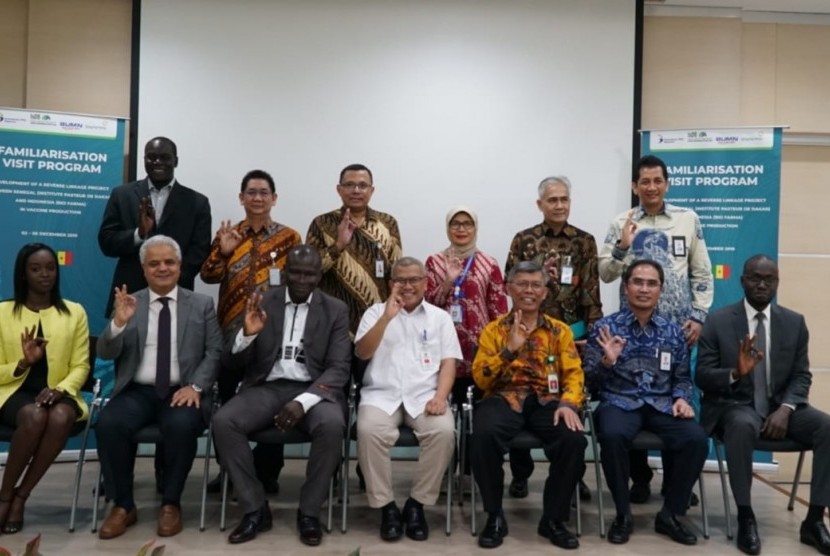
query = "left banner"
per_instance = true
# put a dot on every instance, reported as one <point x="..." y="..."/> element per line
<point x="56" y="173"/>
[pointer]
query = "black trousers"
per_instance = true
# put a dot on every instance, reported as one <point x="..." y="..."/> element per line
<point x="496" y="424"/>
<point x="132" y="409"/>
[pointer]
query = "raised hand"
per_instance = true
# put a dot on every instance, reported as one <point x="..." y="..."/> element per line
<point x="229" y="238"/>
<point x="748" y="356"/>
<point x="125" y="305"/>
<point x="146" y="217"/>
<point x="612" y="346"/>
<point x="628" y="230"/>
<point x="454" y="266"/>
<point x="518" y="332"/>
<point x="551" y="266"/>
<point x="255" y="316"/>
<point x="394" y="303"/>
<point x="345" y="230"/>
<point x="33" y="347"/>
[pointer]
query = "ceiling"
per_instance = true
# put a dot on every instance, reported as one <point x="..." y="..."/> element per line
<point x="790" y="6"/>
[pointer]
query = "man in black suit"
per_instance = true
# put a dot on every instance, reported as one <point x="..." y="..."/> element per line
<point x="155" y="205"/>
<point x="295" y="353"/>
<point x="755" y="376"/>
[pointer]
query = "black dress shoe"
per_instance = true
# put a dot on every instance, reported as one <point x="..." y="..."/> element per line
<point x="494" y="531"/>
<point x="748" y="539"/>
<point x="414" y="521"/>
<point x="561" y="537"/>
<point x="252" y="523"/>
<point x="673" y="528"/>
<point x="518" y="488"/>
<point x="584" y="491"/>
<point x="391" y="526"/>
<point x="621" y="529"/>
<point x="815" y="534"/>
<point x="639" y="493"/>
<point x="310" y="531"/>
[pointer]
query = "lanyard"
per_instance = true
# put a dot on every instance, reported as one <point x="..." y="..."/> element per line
<point x="456" y="293"/>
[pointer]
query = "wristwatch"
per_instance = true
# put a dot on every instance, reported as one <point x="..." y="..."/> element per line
<point x="196" y="388"/>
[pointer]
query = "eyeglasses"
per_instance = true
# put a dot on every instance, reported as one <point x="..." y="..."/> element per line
<point x="412" y="281"/>
<point x="362" y="186"/>
<point x="640" y="282"/>
<point x="253" y="193"/>
<point x="465" y="225"/>
<point x="535" y="286"/>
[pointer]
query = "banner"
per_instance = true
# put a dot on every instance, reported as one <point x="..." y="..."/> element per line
<point x="56" y="173"/>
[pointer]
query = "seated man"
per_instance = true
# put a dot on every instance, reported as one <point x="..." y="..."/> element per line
<point x="413" y="348"/>
<point x="638" y="363"/>
<point x="529" y="370"/>
<point x="161" y="377"/>
<point x="753" y="369"/>
<point x="295" y="351"/>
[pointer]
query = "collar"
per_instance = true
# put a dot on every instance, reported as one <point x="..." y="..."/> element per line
<point x="245" y="227"/>
<point x="370" y="213"/>
<point x="289" y="302"/>
<point x="631" y="319"/>
<point x="641" y="212"/>
<point x="541" y="321"/>
<point x="420" y="308"/>
<point x="150" y="185"/>
<point x="172" y="294"/>
<point x="567" y="230"/>
<point x="752" y="311"/>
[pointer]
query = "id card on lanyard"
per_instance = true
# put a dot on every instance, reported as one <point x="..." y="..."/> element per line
<point x="456" y="311"/>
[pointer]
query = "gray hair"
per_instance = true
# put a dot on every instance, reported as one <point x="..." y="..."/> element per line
<point x="408" y="261"/>
<point x="527" y="267"/>
<point x="159" y="240"/>
<point x="551" y="180"/>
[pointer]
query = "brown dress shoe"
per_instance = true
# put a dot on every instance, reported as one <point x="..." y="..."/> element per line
<point x="170" y="521"/>
<point x="117" y="522"/>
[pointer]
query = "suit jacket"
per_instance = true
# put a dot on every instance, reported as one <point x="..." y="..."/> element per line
<point x="326" y="342"/>
<point x="197" y="333"/>
<point x="186" y="218"/>
<point x="789" y="367"/>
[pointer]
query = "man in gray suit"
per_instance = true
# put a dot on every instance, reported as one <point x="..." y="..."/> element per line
<point x="161" y="377"/>
<point x="294" y="350"/>
<point x="755" y="376"/>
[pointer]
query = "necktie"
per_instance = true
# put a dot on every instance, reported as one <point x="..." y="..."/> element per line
<point x="759" y="374"/>
<point x="163" y="350"/>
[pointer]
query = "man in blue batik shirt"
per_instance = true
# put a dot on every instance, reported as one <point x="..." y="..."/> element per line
<point x="637" y="361"/>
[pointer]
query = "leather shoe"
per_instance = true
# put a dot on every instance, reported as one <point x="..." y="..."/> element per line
<point x="414" y="520"/>
<point x="170" y="521"/>
<point x="391" y="526"/>
<point x="117" y="522"/>
<point x="816" y="534"/>
<point x="639" y="493"/>
<point x="584" y="491"/>
<point x="494" y="531"/>
<point x="310" y="531"/>
<point x="673" y="528"/>
<point x="621" y="529"/>
<point x="518" y="488"/>
<point x="560" y="536"/>
<point x="252" y="523"/>
<point x="748" y="539"/>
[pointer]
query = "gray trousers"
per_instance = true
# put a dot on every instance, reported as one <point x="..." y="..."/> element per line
<point x="253" y="409"/>
<point x="740" y="428"/>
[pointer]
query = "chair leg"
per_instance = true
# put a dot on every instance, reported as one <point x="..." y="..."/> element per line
<point x="450" y="480"/>
<point x="703" y="507"/>
<point x="95" y="501"/>
<point x="224" y="499"/>
<point x="598" y="471"/>
<point x="578" y="512"/>
<point x="330" y="511"/>
<point x="347" y="448"/>
<point x="78" y="475"/>
<point x="206" y="476"/>
<point x="726" y="509"/>
<point x="796" y="481"/>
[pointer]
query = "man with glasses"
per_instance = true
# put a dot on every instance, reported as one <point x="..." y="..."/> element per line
<point x="569" y="257"/>
<point x="245" y="258"/>
<point x="357" y="243"/>
<point x="412" y="348"/>
<point x="637" y="362"/>
<point x="530" y="372"/>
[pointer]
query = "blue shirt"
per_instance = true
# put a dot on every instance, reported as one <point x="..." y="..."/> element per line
<point x="652" y="369"/>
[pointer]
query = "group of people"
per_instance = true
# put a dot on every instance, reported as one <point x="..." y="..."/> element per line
<point x="297" y="323"/>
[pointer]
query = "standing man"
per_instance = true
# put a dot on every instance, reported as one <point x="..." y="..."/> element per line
<point x="569" y="257"/>
<point x="412" y="349"/>
<point x="293" y="349"/>
<point x="166" y="344"/>
<point x="638" y="362"/>
<point x="755" y="376"/>
<point x="528" y="367"/>
<point x="246" y="258"/>
<point x="358" y="245"/>
<point x="673" y="237"/>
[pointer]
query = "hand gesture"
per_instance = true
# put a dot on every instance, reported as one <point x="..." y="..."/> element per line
<point x="454" y="266"/>
<point x="146" y="217"/>
<point x="33" y="347"/>
<point x="255" y="316"/>
<point x="125" y="305"/>
<point x="518" y="333"/>
<point x="345" y="230"/>
<point x="187" y="397"/>
<point x="682" y="410"/>
<point x="290" y="415"/>
<point x="394" y="303"/>
<point x="551" y="266"/>
<point x="48" y="397"/>
<point x="692" y="330"/>
<point x="628" y="230"/>
<point x="567" y="415"/>
<point x="229" y="238"/>
<point x="748" y="356"/>
<point x="436" y="406"/>
<point x="612" y="346"/>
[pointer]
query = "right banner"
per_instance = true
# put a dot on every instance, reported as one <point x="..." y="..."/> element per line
<point x="731" y="178"/>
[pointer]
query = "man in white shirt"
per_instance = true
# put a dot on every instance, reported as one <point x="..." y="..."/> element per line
<point x="413" y="348"/>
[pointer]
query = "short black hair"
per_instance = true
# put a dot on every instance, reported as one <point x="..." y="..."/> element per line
<point x="644" y="262"/>
<point x="258" y="175"/>
<point x="757" y="259"/>
<point x="649" y="161"/>
<point x="162" y="139"/>
<point x="356" y="168"/>
<point x="21" y="286"/>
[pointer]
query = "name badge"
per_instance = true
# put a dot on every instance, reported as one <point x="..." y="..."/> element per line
<point x="274" y="278"/>
<point x="553" y="383"/>
<point x="456" y="313"/>
<point x="426" y="360"/>
<point x="380" y="270"/>
<point x="567" y="275"/>
<point x="665" y="360"/>
<point x="678" y="246"/>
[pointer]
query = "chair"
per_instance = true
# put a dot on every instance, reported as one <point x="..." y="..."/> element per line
<point x="406" y="439"/>
<point x="273" y="436"/>
<point x="763" y="445"/>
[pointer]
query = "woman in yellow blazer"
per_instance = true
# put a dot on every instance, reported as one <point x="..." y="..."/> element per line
<point x="44" y="362"/>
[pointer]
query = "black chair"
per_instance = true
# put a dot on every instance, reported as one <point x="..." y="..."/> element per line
<point x="763" y="445"/>
<point x="272" y="435"/>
